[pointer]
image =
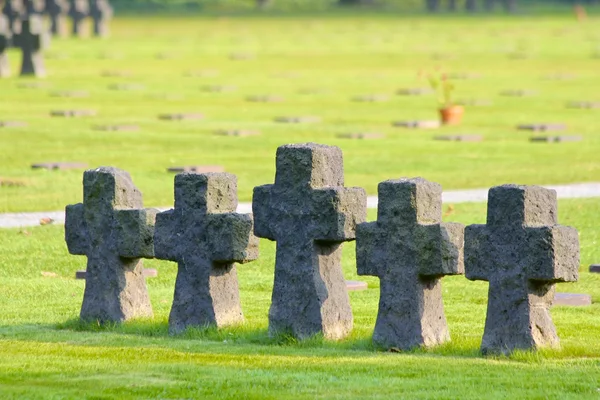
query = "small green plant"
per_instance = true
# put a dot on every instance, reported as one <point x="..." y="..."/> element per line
<point x="443" y="87"/>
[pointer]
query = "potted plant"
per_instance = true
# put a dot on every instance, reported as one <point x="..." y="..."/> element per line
<point x="450" y="113"/>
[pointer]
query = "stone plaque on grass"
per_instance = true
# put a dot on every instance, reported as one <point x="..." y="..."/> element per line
<point x="556" y="139"/>
<point x="264" y="99"/>
<point x="126" y="86"/>
<point x="356" y="286"/>
<point x="181" y="116"/>
<point x="588" y="105"/>
<point x="572" y="299"/>
<point x="219" y="88"/>
<point x="360" y="135"/>
<point x="415" y="91"/>
<point x="475" y="102"/>
<point x="117" y="128"/>
<point x="595" y="268"/>
<point x="306" y="119"/>
<point x="70" y="93"/>
<point x="116" y="74"/>
<point x="59" y="165"/>
<point x="199" y="169"/>
<point x="542" y="127"/>
<point x="371" y="98"/>
<point x="73" y="113"/>
<point x="236" y="132"/>
<point x="459" y="138"/>
<point x="12" y="124"/>
<point x="518" y="93"/>
<point x="424" y="124"/>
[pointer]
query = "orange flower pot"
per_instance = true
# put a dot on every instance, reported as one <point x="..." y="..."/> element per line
<point x="452" y="115"/>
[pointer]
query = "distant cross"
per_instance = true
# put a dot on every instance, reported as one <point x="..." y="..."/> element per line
<point x="79" y="11"/>
<point x="410" y="249"/>
<point x="309" y="212"/>
<point x="31" y="42"/>
<point x="5" y="35"/>
<point x="112" y="229"/>
<point x="522" y="252"/>
<point x="58" y="11"/>
<point x="101" y="12"/>
<point x="14" y="11"/>
<point x="206" y="237"/>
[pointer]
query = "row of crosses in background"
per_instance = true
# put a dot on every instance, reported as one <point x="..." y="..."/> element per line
<point x="471" y="5"/>
<point x="521" y="251"/>
<point x="58" y="10"/>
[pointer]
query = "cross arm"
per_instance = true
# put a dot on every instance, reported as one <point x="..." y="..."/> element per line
<point x="263" y="212"/>
<point x="76" y="233"/>
<point x="337" y="212"/>
<point x="441" y="249"/>
<point x="167" y="235"/>
<point x="553" y="254"/>
<point x="477" y="262"/>
<point x="371" y="249"/>
<point x="135" y="232"/>
<point x="231" y="237"/>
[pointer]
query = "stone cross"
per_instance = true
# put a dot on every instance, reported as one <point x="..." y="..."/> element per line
<point x="410" y="249"/>
<point x="206" y="237"/>
<point x="31" y="42"/>
<point x="14" y="11"/>
<point x="58" y="11"/>
<point x="5" y="35"/>
<point x="101" y="12"/>
<point x="114" y="231"/>
<point x="79" y="11"/>
<point x="309" y="212"/>
<point x="522" y="252"/>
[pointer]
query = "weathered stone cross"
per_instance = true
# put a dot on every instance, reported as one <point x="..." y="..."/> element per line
<point x="410" y="249"/>
<point x="57" y="10"/>
<point x="5" y="35"/>
<point x="101" y="12"/>
<point x="206" y="237"/>
<point x="309" y="213"/>
<point x="31" y="41"/>
<point x="79" y="11"/>
<point x="522" y="252"/>
<point x="113" y="230"/>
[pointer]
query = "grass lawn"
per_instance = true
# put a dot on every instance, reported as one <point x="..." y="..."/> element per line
<point x="46" y="353"/>
<point x="340" y="57"/>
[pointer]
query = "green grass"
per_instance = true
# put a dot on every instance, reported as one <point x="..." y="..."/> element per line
<point x="46" y="353"/>
<point x="344" y="55"/>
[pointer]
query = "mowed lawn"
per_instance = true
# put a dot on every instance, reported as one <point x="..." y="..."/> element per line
<point x="316" y="65"/>
<point x="46" y="353"/>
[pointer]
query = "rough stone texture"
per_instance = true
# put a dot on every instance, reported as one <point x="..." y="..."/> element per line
<point x="306" y="119"/>
<point x="309" y="213"/>
<point x="58" y="10"/>
<point x="14" y="10"/>
<point x="410" y="249"/>
<point x="595" y="268"/>
<point x="361" y="135"/>
<point x="206" y="237"/>
<point x="72" y="113"/>
<point x="79" y="11"/>
<point x="59" y="165"/>
<point x="542" y="127"/>
<point x="556" y="139"/>
<point x="147" y="272"/>
<point x="522" y="252"/>
<point x="459" y="138"/>
<point x="31" y="40"/>
<point x="101" y="13"/>
<point x="572" y="300"/>
<point x="433" y="124"/>
<point x="5" y="35"/>
<point x="114" y="231"/>
<point x="197" y="168"/>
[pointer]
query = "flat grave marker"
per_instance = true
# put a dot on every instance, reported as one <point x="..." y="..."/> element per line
<point x="181" y="117"/>
<point x="126" y="86"/>
<point x="198" y="169"/>
<point x="595" y="268"/>
<point x="219" y="88"/>
<point x="73" y="113"/>
<point x="542" y="127"/>
<point x="117" y="128"/>
<point x="236" y="132"/>
<point x="305" y="119"/>
<point x="587" y="105"/>
<point x="356" y="286"/>
<point x="518" y="93"/>
<point x="572" y="299"/>
<point x="371" y="98"/>
<point x="70" y="93"/>
<point x="475" y="102"/>
<point x="418" y="124"/>
<point x="264" y="99"/>
<point x="556" y="139"/>
<point x="415" y="91"/>
<point x="360" y="135"/>
<point x="459" y="138"/>
<point x="59" y="165"/>
<point x="12" y="124"/>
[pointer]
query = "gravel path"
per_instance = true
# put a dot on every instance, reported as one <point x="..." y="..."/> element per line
<point x="576" y="190"/>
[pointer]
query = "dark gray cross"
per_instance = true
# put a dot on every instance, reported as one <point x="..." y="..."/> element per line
<point x="309" y="212"/>
<point x="31" y="42"/>
<point x="206" y="237"/>
<point x="5" y="35"/>
<point x="58" y="11"/>
<point x="410" y="249"/>
<point x="14" y="11"/>
<point x="79" y="11"/>
<point x="114" y="231"/>
<point x="522" y="252"/>
<point x="101" y="12"/>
